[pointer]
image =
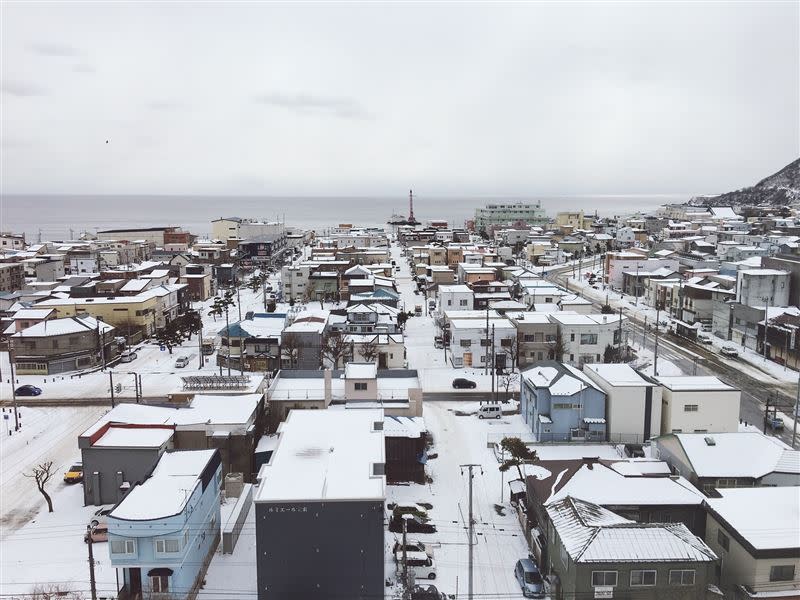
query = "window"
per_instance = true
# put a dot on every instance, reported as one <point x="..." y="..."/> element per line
<point x="506" y="342"/>
<point x="465" y="343"/>
<point x="528" y="338"/>
<point x="643" y="577"/>
<point x="690" y="408"/>
<point x="538" y="337"/>
<point x="361" y="387"/>
<point x="726" y="483"/>
<point x="539" y="356"/>
<point x="485" y="343"/>
<point x="462" y="302"/>
<point x="449" y="303"/>
<point x="123" y="546"/>
<point x="781" y="573"/>
<point x="588" y="338"/>
<point x="723" y="540"/>
<point x="378" y="469"/>
<point x="604" y="578"/>
<point x="571" y="337"/>
<point x="550" y="337"/>
<point x="170" y="545"/>
<point x="571" y="358"/>
<point x="159" y="583"/>
<point x="681" y="577"/>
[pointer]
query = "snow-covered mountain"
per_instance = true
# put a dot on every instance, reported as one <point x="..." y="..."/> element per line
<point x="779" y="189"/>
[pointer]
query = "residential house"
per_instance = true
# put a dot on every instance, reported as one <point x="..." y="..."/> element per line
<point x="456" y="297"/>
<point x="487" y="292"/>
<point x="560" y="403"/>
<point x="27" y="317"/>
<point x="757" y="561"/>
<point x="59" y="345"/>
<point x="333" y="513"/>
<point x="698" y="404"/>
<point x="256" y="341"/>
<point x="406" y="449"/>
<point x="585" y="338"/>
<point x="760" y="287"/>
<point x="301" y="342"/>
<point x="595" y="553"/>
<point x="633" y="403"/>
<point x="536" y="338"/>
<point x="163" y="534"/>
<point x="473" y="340"/>
<point x="727" y="460"/>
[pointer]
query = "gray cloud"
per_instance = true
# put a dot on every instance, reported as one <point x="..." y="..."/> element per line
<point x="22" y="89"/>
<point x="83" y="68"/>
<point x="310" y="104"/>
<point x="53" y="49"/>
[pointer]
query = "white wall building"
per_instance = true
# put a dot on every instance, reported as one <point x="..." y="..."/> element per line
<point x="504" y="214"/>
<point x="759" y="287"/>
<point x="470" y="346"/>
<point x="698" y="404"/>
<point x="586" y="337"/>
<point x="633" y="404"/>
<point x="455" y="297"/>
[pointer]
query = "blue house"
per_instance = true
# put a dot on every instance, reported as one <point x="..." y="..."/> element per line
<point x="560" y="403"/>
<point x="162" y="535"/>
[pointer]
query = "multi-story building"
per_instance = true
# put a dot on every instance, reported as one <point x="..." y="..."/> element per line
<point x="12" y="276"/>
<point x="162" y="535"/>
<point x="762" y="287"/>
<point x="584" y="338"/>
<point x="158" y="236"/>
<point x="237" y="228"/>
<point x="471" y="345"/>
<point x="536" y="336"/>
<point x="11" y="241"/>
<point x="698" y="404"/>
<point x="493" y="215"/>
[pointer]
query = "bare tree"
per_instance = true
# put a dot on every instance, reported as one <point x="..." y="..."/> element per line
<point x="507" y="381"/>
<point x="511" y="350"/>
<point x="41" y="474"/>
<point x="334" y="347"/>
<point x="53" y="592"/>
<point x="290" y="348"/>
<point x="369" y="350"/>
<point x="559" y="347"/>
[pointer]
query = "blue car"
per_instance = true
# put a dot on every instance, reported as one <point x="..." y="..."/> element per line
<point x="28" y="390"/>
<point x="529" y="578"/>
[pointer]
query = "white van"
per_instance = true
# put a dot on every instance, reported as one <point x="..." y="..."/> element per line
<point x="490" y="411"/>
<point x="421" y="564"/>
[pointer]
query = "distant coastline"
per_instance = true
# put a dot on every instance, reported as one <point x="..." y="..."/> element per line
<point x="55" y="215"/>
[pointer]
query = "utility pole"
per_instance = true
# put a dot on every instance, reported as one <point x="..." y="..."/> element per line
<point x="494" y="370"/>
<point x="406" y="586"/>
<point x="92" y="585"/>
<point x="794" y="416"/>
<point x="471" y="544"/>
<point x="486" y="363"/>
<point x="228" y="332"/>
<point x="13" y="390"/>
<point x="655" y="349"/>
<point x="620" y="333"/>
<point x="201" y="359"/>
<point x="644" y="333"/>
<point x="111" y="386"/>
<point x="766" y="414"/>
<point x="766" y="325"/>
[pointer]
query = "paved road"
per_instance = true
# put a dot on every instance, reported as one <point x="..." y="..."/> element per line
<point x="695" y="358"/>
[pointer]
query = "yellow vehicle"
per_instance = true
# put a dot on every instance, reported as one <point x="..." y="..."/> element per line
<point x="74" y="474"/>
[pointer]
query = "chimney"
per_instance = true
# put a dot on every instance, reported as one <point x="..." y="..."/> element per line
<point x="327" y="386"/>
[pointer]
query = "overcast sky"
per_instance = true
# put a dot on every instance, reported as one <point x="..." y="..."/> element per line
<point x="337" y="99"/>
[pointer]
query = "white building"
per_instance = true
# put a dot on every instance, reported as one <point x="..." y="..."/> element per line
<point x="760" y="287"/>
<point x="455" y="297"/>
<point x="585" y="337"/>
<point x="698" y="405"/>
<point x="239" y="228"/>
<point x="617" y="262"/>
<point x="470" y="345"/>
<point x="504" y="214"/>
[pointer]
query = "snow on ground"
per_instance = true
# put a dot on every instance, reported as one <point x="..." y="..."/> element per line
<point x="47" y="434"/>
<point x="499" y="540"/>
<point x="50" y="549"/>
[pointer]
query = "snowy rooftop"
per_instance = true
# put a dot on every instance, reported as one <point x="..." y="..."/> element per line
<point x="333" y="450"/>
<point x="689" y="383"/>
<point x="204" y="409"/>
<point x="167" y="490"/>
<point x="562" y="379"/>
<point x="736" y="507"/>
<point x="574" y="319"/>
<point x="501" y="323"/>
<point x="354" y="370"/>
<point x="64" y="327"/>
<point x="738" y="454"/>
<point x="410" y="427"/>
<point x="532" y="317"/>
<point x="32" y="313"/>
<point x="618" y="374"/>
<point x="591" y="533"/>
<point x="134" y="437"/>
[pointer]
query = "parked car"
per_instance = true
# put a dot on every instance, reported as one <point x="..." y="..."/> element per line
<point x="28" y="390"/>
<point x="634" y="451"/>
<point x="181" y="362"/>
<point x="74" y="474"/>
<point x="490" y="411"/>
<point x="410" y="509"/>
<point x="704" y="338"/>
<point x="529" y="578"/>
<point x="774" y="423"/>
<point x="459" y="383"/>
<point x="421" y="564"/>
<point x="99" y="518"/>
<point x="99" y="534"/>
<point x="414" y="525"/>
<point x="411" y="546"/>
<point x="127" y="356"/>
<point x="731" y="351"/>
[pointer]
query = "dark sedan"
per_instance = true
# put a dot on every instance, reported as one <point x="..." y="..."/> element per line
<point x="415" y="525"/>
<point x="464" y="384"/>
<point x="28" y="390"/>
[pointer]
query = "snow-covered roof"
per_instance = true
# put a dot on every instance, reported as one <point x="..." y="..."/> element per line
<point x="562" y="379"/>
<point x="410" y="427"/>
<point x="738" y="508"/>
<point x="355" y="370"/>
<point x="203" y="410"/>
<point x="168" y="489"/>
<point x="32" y="313"/>
<point x="594" y="534"/>
<point x="618" y="374"/>
<point x="134" y="437"/>
<point x="498" y="324"/>
<point x="325" y="456"/>
<point x="267" y="443"/>
<point x="64" y="327"/>
<point x="690" y="383"/>
<point x="738" y="454"/>
<point x="136" y="285"/>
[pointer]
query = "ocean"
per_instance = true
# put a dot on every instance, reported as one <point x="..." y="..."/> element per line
<point x="53" y="217"/>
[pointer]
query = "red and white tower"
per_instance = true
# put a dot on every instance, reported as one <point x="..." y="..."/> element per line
<point x="411" y="218"/>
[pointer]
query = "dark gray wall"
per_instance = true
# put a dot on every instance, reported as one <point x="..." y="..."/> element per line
<point x="320" y="550"/>
<point x="134" y="463"/>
